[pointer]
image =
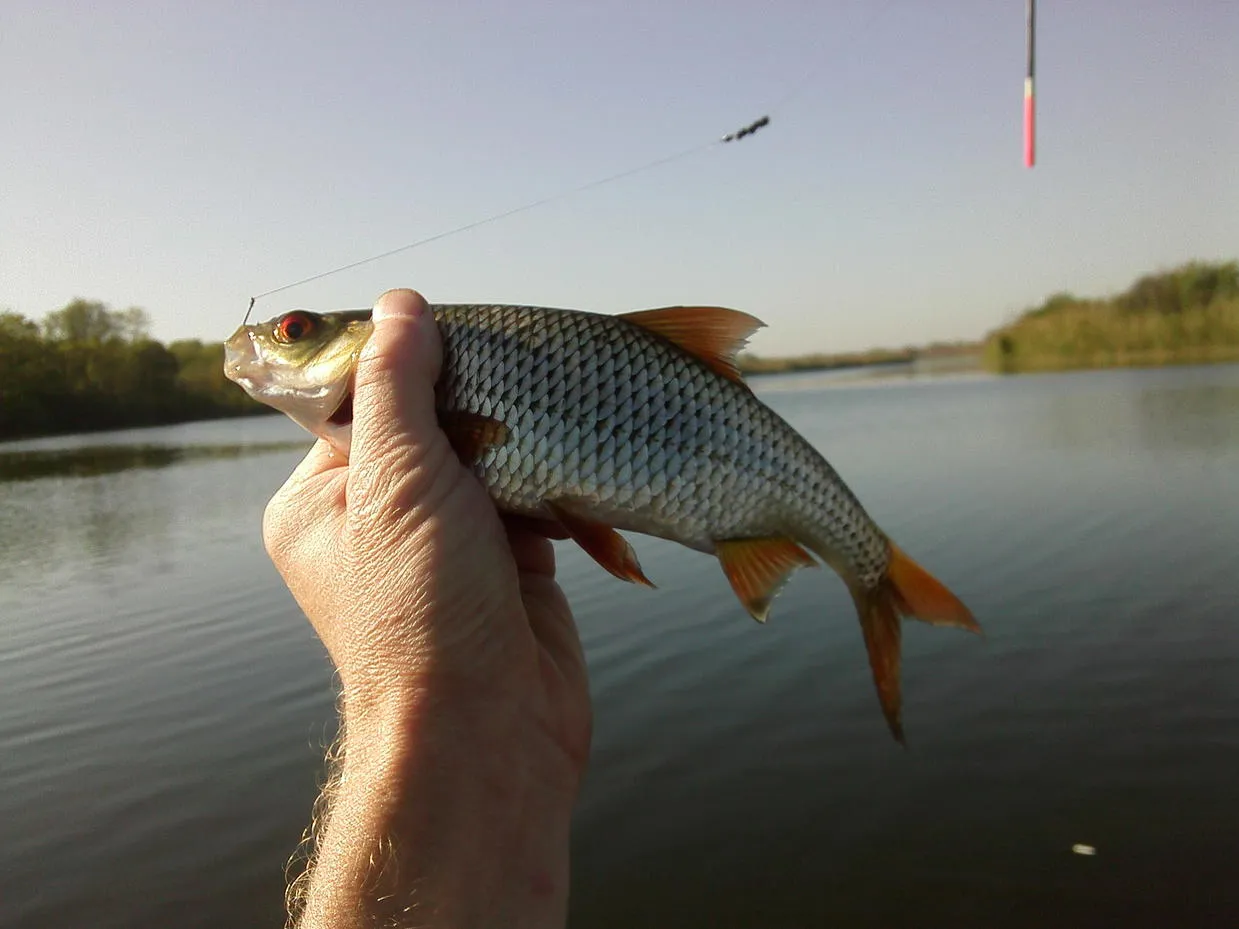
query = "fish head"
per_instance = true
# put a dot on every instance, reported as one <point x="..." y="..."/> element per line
<point x="302" y="364"/>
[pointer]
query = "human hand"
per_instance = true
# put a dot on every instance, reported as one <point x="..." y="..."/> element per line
<point x="466" y="716"/>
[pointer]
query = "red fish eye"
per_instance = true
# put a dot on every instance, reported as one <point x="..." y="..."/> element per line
<point x="293" y="326"/>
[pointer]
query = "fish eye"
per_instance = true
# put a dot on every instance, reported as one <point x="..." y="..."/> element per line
<point x="293" y="326"/>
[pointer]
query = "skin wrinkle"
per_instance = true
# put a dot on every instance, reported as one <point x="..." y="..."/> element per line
<point x="427" y="561"/>
<point x="411" y="545"/>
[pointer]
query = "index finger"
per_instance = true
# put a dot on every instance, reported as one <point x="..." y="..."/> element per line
<point x="313" y="493"/>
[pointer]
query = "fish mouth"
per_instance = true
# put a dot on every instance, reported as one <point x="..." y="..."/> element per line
<point x="241" y="363"/>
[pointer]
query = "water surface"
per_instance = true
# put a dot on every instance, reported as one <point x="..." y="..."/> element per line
<point x="164" y="706"/>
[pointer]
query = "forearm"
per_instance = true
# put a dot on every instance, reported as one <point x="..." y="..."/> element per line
<point x="425" y="831"/>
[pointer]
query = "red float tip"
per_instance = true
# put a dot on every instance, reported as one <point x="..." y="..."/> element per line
<point x="1030" y="122"/>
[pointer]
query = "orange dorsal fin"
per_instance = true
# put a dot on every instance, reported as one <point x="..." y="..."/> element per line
<point x="470" y="434"/>
<point x="919" y="595"/>
<point x="600" y="542"/>
<point x="713" y="335"/>
<point x="758" y="568"/>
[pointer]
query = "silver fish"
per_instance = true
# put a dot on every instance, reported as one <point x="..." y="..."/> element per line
<point x="592" y="423"/>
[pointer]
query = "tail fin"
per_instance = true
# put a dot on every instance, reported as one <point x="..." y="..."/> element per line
<point x="922" y="596"/>
<point x="880" y="624"/>
<point x="907" y="590"/>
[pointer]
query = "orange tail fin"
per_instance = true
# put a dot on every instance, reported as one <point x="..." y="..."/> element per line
<point x="920" y="595"/>
<point x="880" y="624"/>
<point x="907" y="590"/>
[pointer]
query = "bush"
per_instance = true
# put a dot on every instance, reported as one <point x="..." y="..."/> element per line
<point x="1189" y="314"/>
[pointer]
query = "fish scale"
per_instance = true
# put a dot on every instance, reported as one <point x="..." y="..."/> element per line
<point x="591" y="424"/>
<point x="611" y="376"/>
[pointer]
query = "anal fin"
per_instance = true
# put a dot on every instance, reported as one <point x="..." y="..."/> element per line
<point x="758" y="568"/>
<point x="602" y="543"/>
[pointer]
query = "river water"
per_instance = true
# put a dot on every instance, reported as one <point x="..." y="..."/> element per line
<point x="164" y="706"/>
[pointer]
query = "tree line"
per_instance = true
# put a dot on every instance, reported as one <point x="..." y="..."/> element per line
<point x="1187" y="314"/>
<point x="87" y="367"/>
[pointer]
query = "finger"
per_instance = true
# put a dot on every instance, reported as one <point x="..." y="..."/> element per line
<point x="320" y="459"/>
<point x="312" y="493"/>
<point x="543" y="527"/>
<point x="551" y="622"/>
<point x="394" y="412"/>
<point x="305" y="487"/>
<point x="550" y="616"/>
<point x="531" y="551"/>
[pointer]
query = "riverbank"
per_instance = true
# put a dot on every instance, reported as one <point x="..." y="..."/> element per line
<point x="936" y="355"/>
<point x="1184" y="316"/>
<point x="1150" y="358"/>
<point x="1187" y="315"/>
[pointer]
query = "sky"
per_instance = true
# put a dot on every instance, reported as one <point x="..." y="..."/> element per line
<point x="184" y="156"/>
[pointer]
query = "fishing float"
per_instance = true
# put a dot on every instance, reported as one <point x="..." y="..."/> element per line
<point x="1030" y="104"/>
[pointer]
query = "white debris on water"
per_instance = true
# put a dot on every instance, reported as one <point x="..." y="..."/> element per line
<point x="1084" y="850"/>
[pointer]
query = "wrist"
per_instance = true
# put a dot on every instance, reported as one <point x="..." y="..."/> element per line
<point x="441" y="807"/>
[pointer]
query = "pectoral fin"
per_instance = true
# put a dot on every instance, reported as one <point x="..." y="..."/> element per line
<point x="600" y="541"/>
<point x="470" y="434"/>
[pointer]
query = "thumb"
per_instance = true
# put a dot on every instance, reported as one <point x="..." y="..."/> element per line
<point x="395" y="429"/>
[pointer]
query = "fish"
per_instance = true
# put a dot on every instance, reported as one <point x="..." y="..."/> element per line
<point x="591" y="424"/>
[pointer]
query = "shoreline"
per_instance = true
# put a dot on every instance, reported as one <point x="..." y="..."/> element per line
<point x="955" y="363"/>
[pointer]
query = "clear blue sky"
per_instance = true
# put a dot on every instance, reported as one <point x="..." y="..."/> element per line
<point x="184" y="156"/>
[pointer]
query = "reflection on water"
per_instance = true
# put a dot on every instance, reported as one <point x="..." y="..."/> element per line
<point x="1188" y="410"/>
<point x="106" y="459"/>
<point x="1201" y="416"/>
<point x="163" y="703"/>
<point x="68" y="507"/>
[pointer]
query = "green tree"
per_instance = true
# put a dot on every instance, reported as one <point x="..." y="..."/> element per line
<point x="134" y="324"/>
<point x="1186" y="314"/>
<point x="89" y="367"/>
<point x="15" y="326"/>
<point x="82" y="321"/>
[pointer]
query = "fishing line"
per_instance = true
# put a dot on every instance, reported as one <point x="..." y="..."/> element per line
<point x="876" y="12"/>
<point x="739" y="134"/>
<point x="744" y="132"/>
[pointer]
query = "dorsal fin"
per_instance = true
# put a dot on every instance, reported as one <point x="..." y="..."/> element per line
<point x="712" y="334"/>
